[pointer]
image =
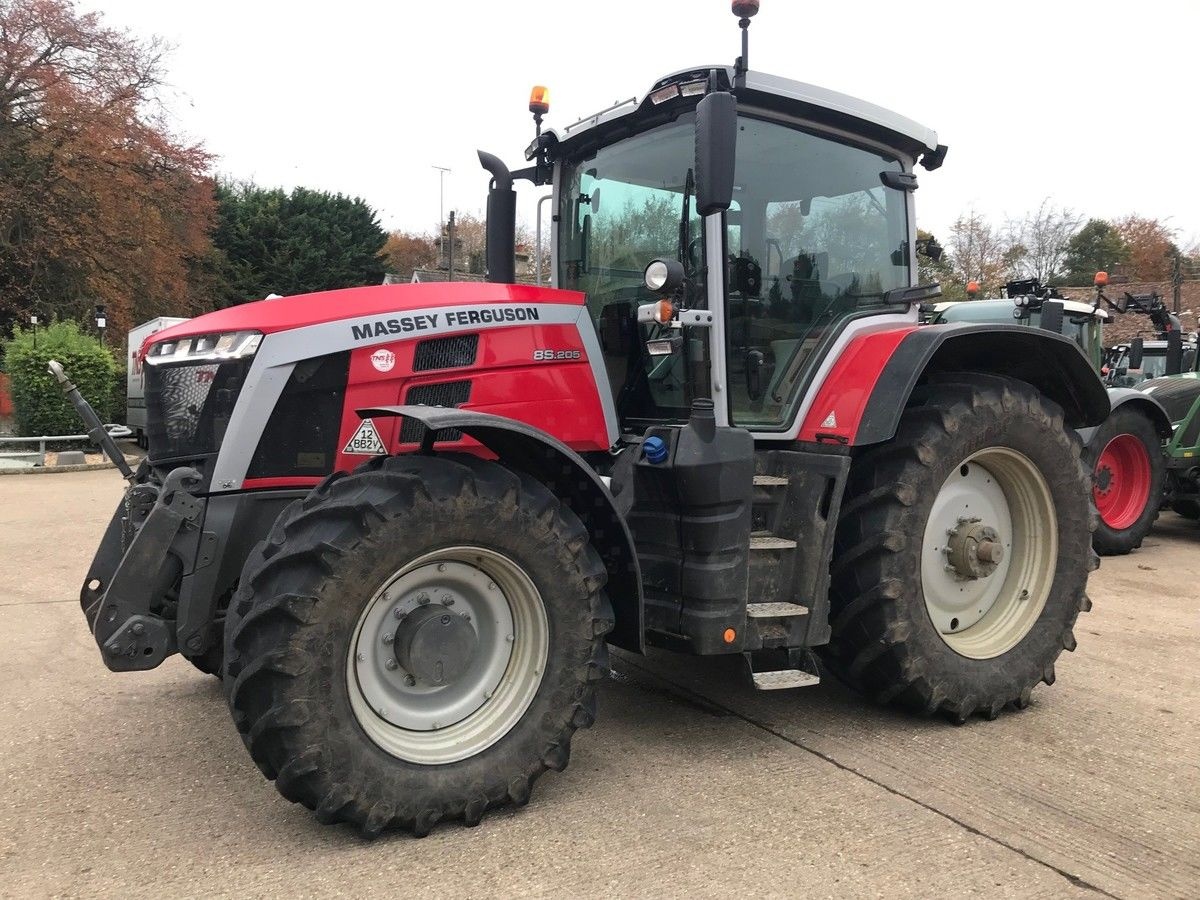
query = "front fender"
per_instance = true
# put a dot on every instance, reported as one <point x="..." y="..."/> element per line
<point x="570" y="478"/>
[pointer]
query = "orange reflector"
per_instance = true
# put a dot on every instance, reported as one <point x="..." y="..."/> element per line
<point x="1101" y="279"/>
<point x="539" y="100"/>
<point x="665" y="312"/>
<point x="730" y="635"/>
<point x="972" y="288"/>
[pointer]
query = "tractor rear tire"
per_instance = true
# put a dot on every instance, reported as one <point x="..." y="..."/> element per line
<point x="1127" y="478"/>
<point x="312" y="646"/>
<point x="977" y="461"/>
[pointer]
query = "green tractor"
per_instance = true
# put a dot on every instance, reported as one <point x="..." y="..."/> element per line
<point x="1136" y="454"/>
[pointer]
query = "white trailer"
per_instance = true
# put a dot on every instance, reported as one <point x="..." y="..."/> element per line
<point x="135" y="385"/>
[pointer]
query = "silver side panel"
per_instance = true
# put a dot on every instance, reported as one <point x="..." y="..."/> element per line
<point x="281" y="351"/>
<point x="714" y="249"/>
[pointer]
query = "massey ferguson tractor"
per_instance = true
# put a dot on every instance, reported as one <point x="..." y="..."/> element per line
<point x="404" y="522"/>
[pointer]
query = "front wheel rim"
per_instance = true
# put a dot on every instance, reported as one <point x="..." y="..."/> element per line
<point x="1121" y="485"/>
<point x="429" y="724"/>
<point x="995" y="504"/>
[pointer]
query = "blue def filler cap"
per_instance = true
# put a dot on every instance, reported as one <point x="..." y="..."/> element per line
<point x="655" y="449"/>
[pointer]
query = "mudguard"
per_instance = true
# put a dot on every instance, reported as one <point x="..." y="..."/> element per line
<point x="1147" y="404"/>
<point x="570" y="477"/>
<point x="1052" y="363"/>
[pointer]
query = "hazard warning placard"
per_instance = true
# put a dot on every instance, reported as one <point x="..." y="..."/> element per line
<point x="365" y="441"/>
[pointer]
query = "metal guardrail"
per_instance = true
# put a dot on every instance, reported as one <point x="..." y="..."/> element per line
<point x="114" y="431"/>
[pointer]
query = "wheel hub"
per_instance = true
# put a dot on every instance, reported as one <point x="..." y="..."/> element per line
<point x="988" y="558"/>
<point x="974" y="549"/>
<point x="434" y="645"/>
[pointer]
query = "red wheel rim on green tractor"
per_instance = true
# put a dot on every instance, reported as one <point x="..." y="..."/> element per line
<point x="1122" y="481"/>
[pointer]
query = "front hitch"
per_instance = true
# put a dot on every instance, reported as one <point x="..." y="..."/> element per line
<point x="95" y="429"/>
<point x="129" y="633"/>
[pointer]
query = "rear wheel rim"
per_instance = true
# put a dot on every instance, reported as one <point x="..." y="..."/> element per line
<point x="1121" y="485"/>
<point x="985" y="612"/>
<point x="430" y="724"/>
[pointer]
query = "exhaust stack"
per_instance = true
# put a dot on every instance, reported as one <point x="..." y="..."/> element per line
<point x="501" y="221"/>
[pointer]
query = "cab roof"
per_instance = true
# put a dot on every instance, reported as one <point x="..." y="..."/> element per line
<point x="785" y="95"/>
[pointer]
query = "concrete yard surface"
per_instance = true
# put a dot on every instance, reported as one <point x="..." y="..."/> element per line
<point x="691" y="783"/>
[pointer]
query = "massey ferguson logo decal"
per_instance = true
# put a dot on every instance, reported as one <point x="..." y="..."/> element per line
<point x="383" y="360"/>
<point x="406" y="324"/>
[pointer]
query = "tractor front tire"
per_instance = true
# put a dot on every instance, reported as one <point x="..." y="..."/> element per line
<point x="417" y="642"/>
<point x="962" y="552"/>
<point x="1128" y="470"/>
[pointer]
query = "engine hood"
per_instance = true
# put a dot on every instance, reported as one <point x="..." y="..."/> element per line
<point x="303" y="310"/>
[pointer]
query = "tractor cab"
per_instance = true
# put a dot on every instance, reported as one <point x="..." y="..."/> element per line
<point x="724" y="228"/>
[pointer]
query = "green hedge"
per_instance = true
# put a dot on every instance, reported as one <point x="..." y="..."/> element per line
<point x="39" y="405"/>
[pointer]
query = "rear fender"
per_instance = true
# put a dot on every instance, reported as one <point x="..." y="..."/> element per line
<point x="1052" y="363"/>
<point x="569" y="477"/>
<point x="1135" y="399"/>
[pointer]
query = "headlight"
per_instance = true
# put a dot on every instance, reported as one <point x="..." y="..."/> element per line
<point x="205" y="348"/>
<point x="664" y="276"/>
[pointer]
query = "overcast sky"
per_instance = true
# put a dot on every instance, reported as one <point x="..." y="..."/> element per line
<point x="1091" y="103"/>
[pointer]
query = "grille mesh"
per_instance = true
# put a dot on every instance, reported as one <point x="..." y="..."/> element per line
<point x="450" y="393"/>
<point x="452" y="352"/>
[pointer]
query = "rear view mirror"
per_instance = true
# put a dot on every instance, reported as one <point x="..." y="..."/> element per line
<point x="716" y="150"/>
<point x="1137" y="349"/>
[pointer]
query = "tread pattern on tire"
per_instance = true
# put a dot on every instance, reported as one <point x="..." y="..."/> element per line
<point x="296" y="568"/>
<point x="874" y="570"/>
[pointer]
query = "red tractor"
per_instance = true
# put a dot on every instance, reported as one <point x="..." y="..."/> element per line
<point x="403" y="523"/>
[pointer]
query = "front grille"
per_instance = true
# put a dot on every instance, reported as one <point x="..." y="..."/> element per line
<point x="188" y="407"/>
<point x="448" y="394"/>
<point x="452" y="352"/>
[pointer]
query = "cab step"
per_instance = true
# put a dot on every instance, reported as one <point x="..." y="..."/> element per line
<point x="783" y="679"/>
<point x="770" y="481"/>
<point x="775" y="610"/>
<point x="764" y="540"/>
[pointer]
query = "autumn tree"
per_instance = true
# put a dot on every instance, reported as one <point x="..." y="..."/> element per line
<point x="405" y="252"/>
<point x="1150" y="249"/>
<point x="1039" y="242"/>
<point x="1096" y="247"/>
<point x="99" y="203"/>
<point x="978" y="252"/>
<point x="272" y="242"/>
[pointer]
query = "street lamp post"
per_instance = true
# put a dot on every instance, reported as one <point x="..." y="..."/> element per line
<point x="101" y="321"/>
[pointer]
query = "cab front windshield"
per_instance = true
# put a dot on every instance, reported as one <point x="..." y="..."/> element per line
<point x="813" y="238"/>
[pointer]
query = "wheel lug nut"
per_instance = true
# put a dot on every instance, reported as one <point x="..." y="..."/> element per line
<point x="410" y="680"/>
<point x="388" y="638"/>
<point x="391" y="665"/>
<point x="362" y="657"/>
<point x="424" y="601"/>
<point x="441" y="567"/>
<point x="466" y="617"/>
<point x="448" y="601"/>
<point x="398" y="613"/>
